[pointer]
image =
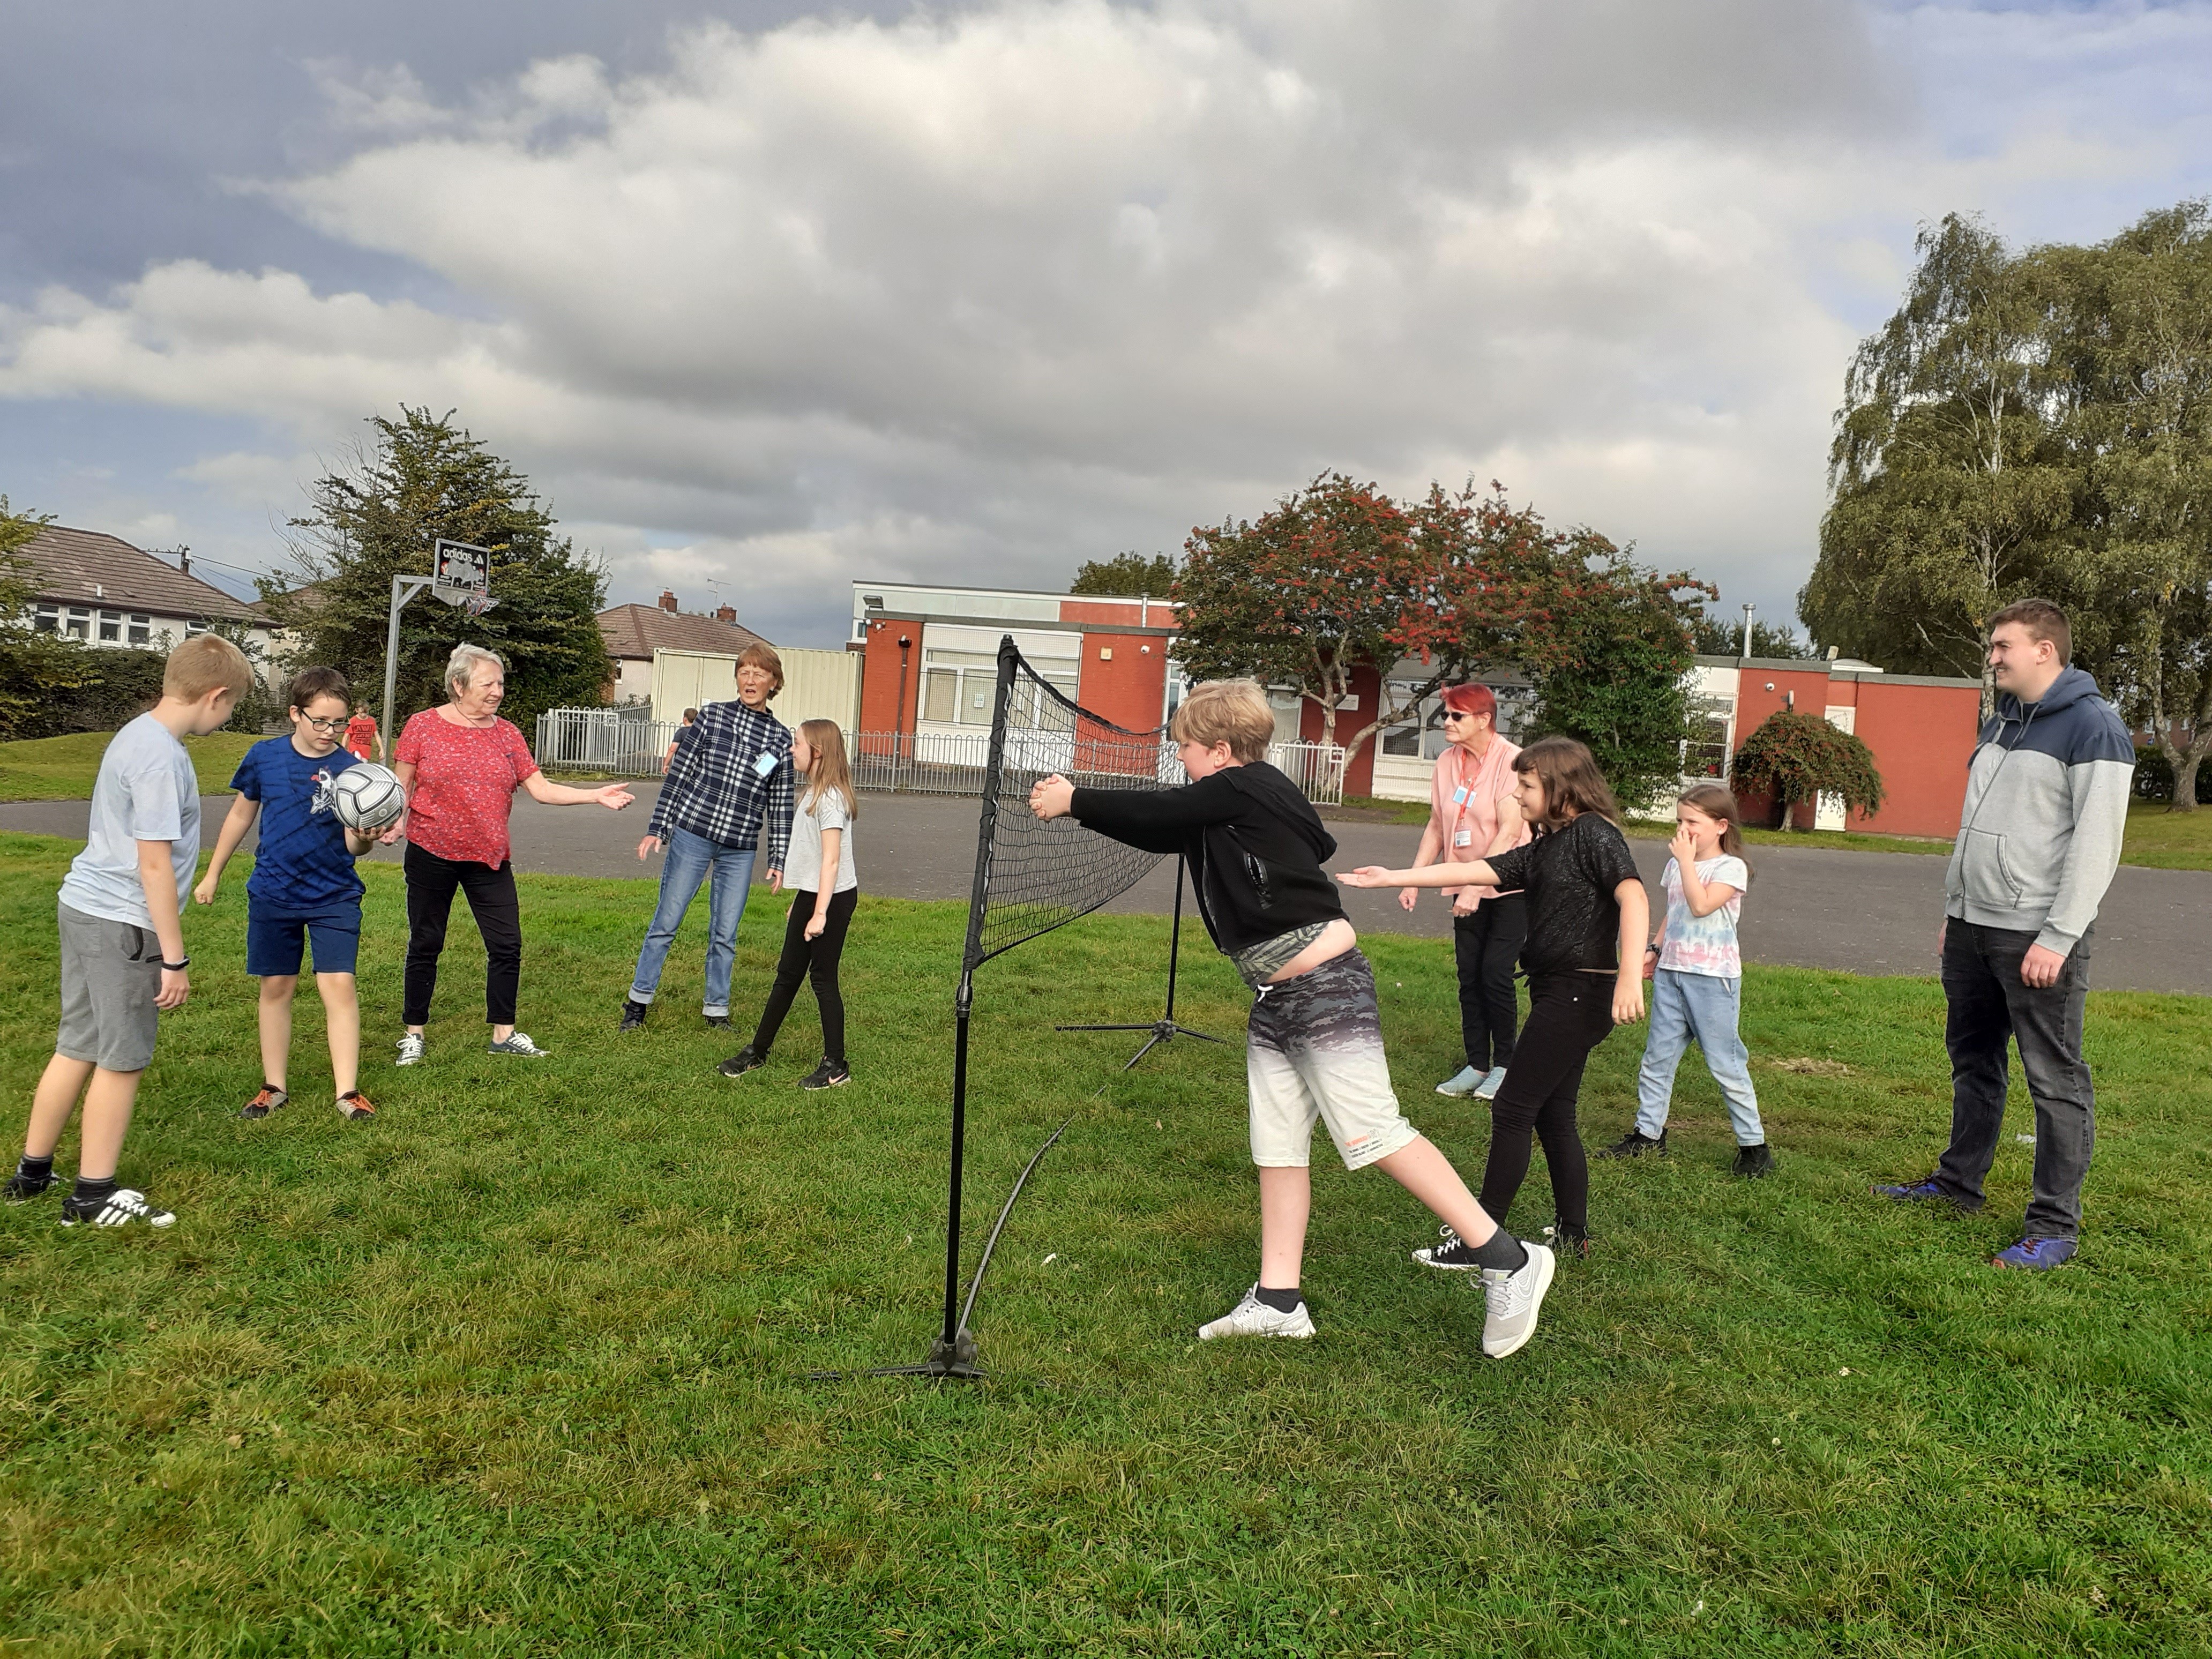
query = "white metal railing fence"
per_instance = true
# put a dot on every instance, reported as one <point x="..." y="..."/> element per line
<point x="612" y="740"/>
<point x="615" y="740"/>
<point x="952" y="763"/>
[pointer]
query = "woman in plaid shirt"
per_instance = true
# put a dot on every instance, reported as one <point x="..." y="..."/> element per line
<point x="727" y="789"/>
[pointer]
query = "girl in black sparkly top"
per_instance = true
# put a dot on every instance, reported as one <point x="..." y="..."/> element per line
<point x="1588" y="920"/>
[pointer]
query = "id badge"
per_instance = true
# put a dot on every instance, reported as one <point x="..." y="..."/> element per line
<point x="765" y="762"/>
<point x="1463" y="838"/>
<point x="1459" y="796"/>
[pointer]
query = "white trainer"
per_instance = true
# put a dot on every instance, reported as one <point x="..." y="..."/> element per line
<point x="1252" y="1317"/>
<point x="1493" y="1081"/>
<point x="1514" y="1300"/>
<point x="1461" y="1083"/>
<point x="411" y="1049"/>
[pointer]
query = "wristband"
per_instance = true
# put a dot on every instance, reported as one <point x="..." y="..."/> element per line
<point x="176" y="967"/>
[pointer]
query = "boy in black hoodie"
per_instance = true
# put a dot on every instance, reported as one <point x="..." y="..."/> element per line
<point x="1255" y="845"/>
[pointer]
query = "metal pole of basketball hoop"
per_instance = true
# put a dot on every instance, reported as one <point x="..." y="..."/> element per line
<point x="462" y="576"/>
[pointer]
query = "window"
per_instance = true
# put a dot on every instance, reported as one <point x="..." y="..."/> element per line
<point x="959" y="687"/>
<point x="1421" y="736"/>
<point x="1706" y="755"/>
<point x="110" y="627"/>
<point x="77" y="623"/>
<point x="46" y="619"/>
<point x="142" y="630"/>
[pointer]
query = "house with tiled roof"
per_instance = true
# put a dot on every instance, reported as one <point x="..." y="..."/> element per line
<point x="98" y="588"/>
<point x="635" y="632"/>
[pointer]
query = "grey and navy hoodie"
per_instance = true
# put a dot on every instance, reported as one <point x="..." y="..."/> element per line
<point x="2046" y="801"/>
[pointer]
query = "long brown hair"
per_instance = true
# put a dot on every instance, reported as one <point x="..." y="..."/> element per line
<point x="830" y="770"/>
<point x="1572" y="783"/>
<point x="1718" y="802"/>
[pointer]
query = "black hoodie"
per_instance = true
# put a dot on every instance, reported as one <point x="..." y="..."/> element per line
<point x="1253" y="841"/>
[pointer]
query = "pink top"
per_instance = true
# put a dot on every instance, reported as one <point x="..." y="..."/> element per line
<point x="1463" y="797"/>
<point x="465" y="777"/>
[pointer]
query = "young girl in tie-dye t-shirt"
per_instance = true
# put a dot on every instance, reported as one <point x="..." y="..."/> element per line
<point x="1697" y="972"/>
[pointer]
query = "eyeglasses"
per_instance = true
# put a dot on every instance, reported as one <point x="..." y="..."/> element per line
<point x="338" y="725"/>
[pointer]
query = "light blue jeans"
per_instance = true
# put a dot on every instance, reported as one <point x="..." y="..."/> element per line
<point x="683" y="868"/>
<point x="1704" y="1006"/>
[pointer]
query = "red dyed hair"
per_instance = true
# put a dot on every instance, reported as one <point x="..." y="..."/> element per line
<point x="1472" y="700"/>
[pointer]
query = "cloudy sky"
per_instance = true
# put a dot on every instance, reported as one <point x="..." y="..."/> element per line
<point x="772" y="296"/>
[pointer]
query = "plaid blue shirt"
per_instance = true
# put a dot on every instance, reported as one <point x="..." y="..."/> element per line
<point x="715" y="786"/>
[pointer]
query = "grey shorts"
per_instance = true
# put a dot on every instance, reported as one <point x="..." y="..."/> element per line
<point x="1315" y="1050"/>
<point x="111" y="974"/>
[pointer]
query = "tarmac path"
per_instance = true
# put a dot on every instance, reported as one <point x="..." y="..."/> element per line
<point x="1864" y="913"/>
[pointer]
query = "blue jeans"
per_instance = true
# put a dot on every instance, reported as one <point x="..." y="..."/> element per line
<point x="684" y="867"/>
<point x="1704" y="1006"/>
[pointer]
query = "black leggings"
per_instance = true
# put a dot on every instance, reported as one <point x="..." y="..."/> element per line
<point x="1485" y="945"/>
<point x="1569" y="1015"/>
<point x="431" y="881"/>
<point x="815" y="958"/>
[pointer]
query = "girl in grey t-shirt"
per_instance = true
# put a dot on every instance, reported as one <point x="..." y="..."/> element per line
<point x="819" y="871"/>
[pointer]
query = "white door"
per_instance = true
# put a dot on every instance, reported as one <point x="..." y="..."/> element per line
<point x="1828" y="809"/>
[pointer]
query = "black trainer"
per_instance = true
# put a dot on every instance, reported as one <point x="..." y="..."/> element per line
<point x="718" y="1022"/>
<point x="124" y="1206"/>
<point x="1753" y="1162"/>
<point x="633" y="1017"/>
<point x="829" y="1074"/>
<point x="27" y="1183"/>
<point x="742" y="1061"/>
<point x="1634" y="1144"/>
<point x="1567" y="1241"/>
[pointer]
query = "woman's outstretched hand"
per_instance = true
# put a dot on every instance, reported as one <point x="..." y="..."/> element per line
<point x="613" y="796"/>
<point x="1053" y="797"/>
<point x="1368" y="875"/>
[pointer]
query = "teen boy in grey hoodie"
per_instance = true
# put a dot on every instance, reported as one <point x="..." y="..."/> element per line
<point x="2039" y="840"/>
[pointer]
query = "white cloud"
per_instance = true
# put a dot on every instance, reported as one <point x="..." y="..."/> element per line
<point x="977" y="297"/>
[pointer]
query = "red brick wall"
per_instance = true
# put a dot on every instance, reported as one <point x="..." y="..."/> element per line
<point x="881" y="708"/>
<point x="1129" y="690"/>
<point x="1923" y="738"/>
<point x="1922" y="735"/>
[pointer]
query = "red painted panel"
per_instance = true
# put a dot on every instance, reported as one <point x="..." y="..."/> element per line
<point x="1119" y="613"/>
<point x="1129" y="689"/>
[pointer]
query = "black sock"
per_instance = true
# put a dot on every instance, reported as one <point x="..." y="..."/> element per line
<point x="1280" y="1301"/>
<point x="35" y="1169"/>
<point x="89" y="1191"/>
<point x="1501" y="1250"/>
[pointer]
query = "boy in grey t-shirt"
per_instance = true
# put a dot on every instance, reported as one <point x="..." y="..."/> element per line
<point x="122" y="937"/>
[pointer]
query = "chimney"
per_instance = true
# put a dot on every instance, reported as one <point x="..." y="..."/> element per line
<point x="728" y="613"/>
<point x="668" y="601"/>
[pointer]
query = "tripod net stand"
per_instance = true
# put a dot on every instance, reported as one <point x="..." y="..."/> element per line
<point x="1032" y="877"/>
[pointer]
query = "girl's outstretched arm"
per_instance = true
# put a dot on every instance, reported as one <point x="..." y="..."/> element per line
<point x="1477" y="874"/>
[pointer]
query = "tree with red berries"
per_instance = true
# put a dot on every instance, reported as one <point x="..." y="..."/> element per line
<point x="1339" y="576"/>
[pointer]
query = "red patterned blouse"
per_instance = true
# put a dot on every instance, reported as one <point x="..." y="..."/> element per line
<point x="465" y="777"/>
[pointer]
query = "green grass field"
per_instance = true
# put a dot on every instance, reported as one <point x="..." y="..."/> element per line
<point x="62" y="768"/>
<point x="517" y="1367"/>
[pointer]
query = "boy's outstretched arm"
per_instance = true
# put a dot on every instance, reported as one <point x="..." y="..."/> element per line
<point x="1477" y="874"/>
<point x="239" y="819"/>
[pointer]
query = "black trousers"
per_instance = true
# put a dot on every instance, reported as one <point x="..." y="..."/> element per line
<point x="1989" y="1007"/>
<point x="812" y="958"/>
<point x="1569" y="1015"/>
<point x="431" y="883"/>
<point x="1485" y="945"/>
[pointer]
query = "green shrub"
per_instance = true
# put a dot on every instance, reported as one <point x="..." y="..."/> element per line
<point x="2155" y="776"/>
<point x="1796" y="757"/>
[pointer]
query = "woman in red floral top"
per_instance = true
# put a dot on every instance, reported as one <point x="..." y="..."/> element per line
<point x="460" y="765"/>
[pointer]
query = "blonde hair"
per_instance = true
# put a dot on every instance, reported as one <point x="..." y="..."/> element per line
<point x="830" y="770"/>
<point x="1718" y="802"/>
<point x="205" y="663"/>
<point x="1234" y="712"/>
<point x="761" y="654"/>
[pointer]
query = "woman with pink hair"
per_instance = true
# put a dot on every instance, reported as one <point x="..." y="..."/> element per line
<point x="1472" y="816"/>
